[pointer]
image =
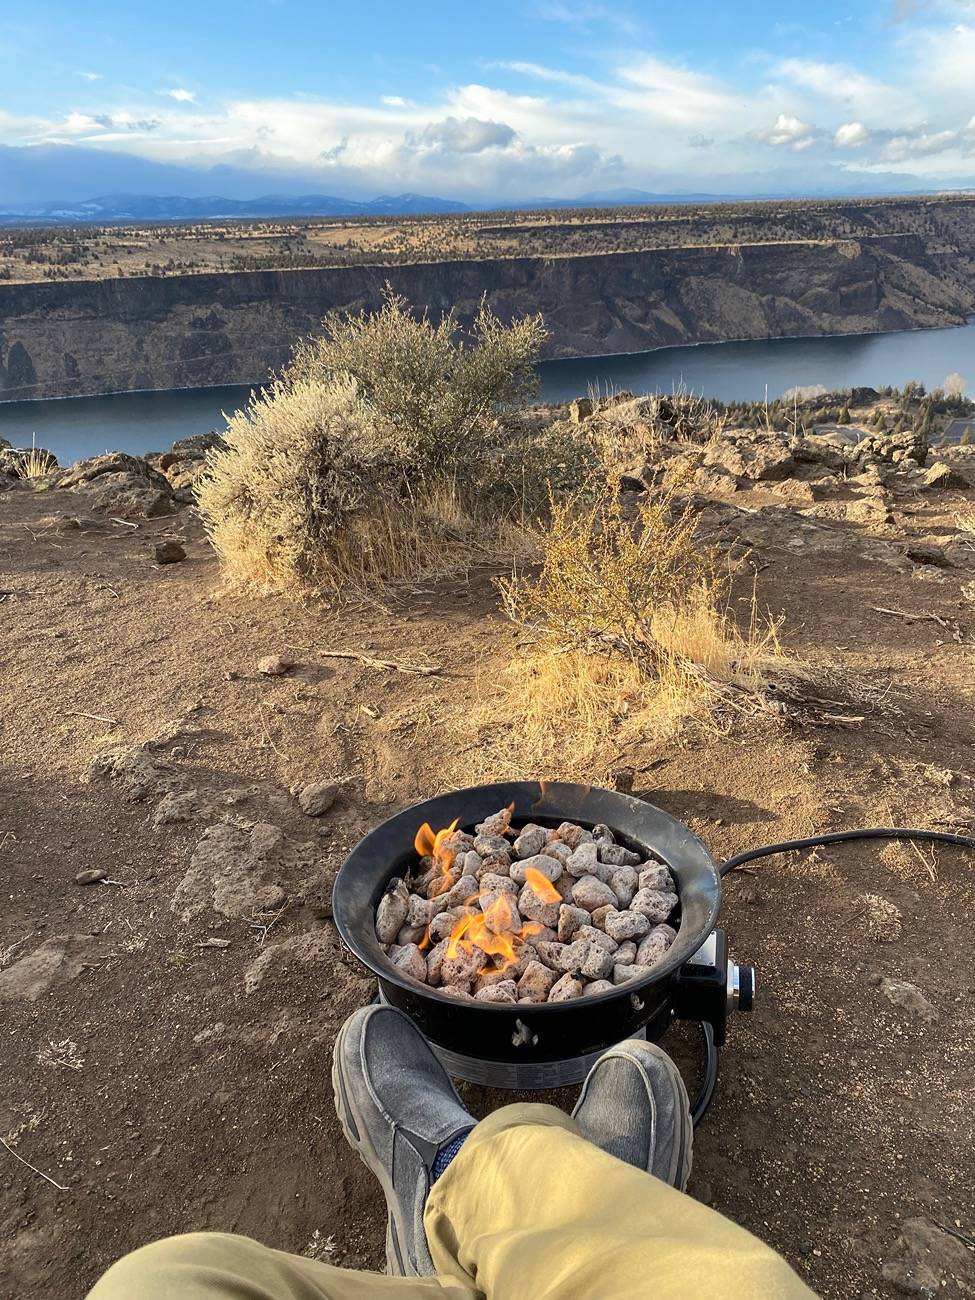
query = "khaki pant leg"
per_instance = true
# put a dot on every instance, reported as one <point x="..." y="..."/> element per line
<point x="220" y="1266"/>
<point x="529" y="1210"/>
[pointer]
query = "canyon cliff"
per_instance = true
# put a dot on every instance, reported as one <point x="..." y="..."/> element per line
<point x="112" y="335"/>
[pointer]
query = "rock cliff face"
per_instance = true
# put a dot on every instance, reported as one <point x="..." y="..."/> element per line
<point x="73" y="338"/>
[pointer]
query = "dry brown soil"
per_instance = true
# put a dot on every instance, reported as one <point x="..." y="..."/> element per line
<point x="169" y="1085"/>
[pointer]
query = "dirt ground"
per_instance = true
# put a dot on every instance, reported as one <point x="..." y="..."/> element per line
<point x="167" y="1084"/>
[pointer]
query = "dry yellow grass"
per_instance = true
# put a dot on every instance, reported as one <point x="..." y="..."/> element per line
<point x="634" y="637"/>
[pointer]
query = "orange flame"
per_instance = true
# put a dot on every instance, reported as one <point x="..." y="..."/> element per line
<point x="493" y="932"/>
<point x="541" y="886"/>
<point x="430" y="844"/>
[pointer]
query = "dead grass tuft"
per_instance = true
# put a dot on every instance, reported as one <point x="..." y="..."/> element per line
<point x="632" y="633"/>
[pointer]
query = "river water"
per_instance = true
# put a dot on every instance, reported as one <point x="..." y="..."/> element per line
<point x="139" y="422"/>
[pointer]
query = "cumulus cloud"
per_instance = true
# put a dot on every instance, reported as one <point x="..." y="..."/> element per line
<point x="465" y="135"/>
<point x="181" y="95"/>
<point x="790" y="132"/>
<point x="851" y="135"/>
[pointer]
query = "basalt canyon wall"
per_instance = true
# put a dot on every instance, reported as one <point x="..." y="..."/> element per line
<point x="72" y="338"/>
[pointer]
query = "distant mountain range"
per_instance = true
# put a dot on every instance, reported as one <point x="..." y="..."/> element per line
<point x="149" y="207"/>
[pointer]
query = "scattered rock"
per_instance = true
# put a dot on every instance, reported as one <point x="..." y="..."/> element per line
<point x="580" y="410"/>
<point x="241" y="867"/>
<point x="91" y="876"/>
<point x="56" y="960"/>
<point x="275" y="665"/>
<point x="940" y="477"/>
<point x="169" y="553"/>
<point x="902" y="994"/>
<point x="317" y="797"/>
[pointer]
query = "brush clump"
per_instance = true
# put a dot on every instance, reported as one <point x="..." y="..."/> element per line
<point x="388" y="450"/>
<point x="630" y="623"/>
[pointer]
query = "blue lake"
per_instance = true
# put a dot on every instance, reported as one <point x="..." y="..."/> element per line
<point x="139" y="422"/>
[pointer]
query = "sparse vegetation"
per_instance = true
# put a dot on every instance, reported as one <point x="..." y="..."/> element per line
<point x="379" y="455"/>
<point x="630" y="621"/>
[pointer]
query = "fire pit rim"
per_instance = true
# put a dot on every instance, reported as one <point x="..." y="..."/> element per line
<point x="547" y="792"/>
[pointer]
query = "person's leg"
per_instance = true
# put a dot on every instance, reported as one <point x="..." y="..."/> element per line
<point x="530" y="1207"/>
<point x="220" y="1266"/>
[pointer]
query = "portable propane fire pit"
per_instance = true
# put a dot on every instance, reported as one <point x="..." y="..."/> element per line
<point x="548" y="1044"/>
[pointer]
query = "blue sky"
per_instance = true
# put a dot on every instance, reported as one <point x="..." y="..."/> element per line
<point x="518" y="99"/>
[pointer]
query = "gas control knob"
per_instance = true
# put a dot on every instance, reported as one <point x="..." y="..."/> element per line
<point x="741" y="987"/>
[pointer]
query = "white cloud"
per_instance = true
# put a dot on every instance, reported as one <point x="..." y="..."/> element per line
<point x="181" y="95"/>
<point x="789" y="131"/>
<point x="90" y="76"/>
<point x="851" y="135"/>
<point x="465" y="135"/>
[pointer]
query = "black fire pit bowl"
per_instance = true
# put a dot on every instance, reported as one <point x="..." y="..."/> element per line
<point x="546" y="1031"/>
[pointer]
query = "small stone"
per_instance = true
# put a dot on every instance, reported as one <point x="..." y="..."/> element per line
<point x="550" y="953"/>
<point x="571" y="834"/>
<point x="536" y="982"/>
<point x="392" y="910"/>
<point x="468" y="863"/>
<point x="565" y="989"/>
<point x="600" y="914"/>
<point x="602" y="834"/>
<point x="91" y="876"/>
<point x="536" y="909"/>
<point x="583" y="861"/>
<point x="615" y="855"/>
<point x="530" y="841"/>
<point x="442" y="925"/>
<point x="275" y="665"/>
<point x="463" y="966"/>
<point x="435" y="961"/>
<point x="465" y="888"/>
<point x="571" y="956"/>
<point x="456" y="991"/>
<point x="626" y="925"/>
<point x="505" y="991"/>
<point x="902" y="994"/>
<point x="591" y="893"/>
<point x="410" y="934"/>
<point x="570" y="918"/>
<point x="598" y="986"/>
<point x="316" y="798"/>
<point x="654" y="945"/>
<point x="623" y="974"/>
<point x="497" y="824"/>
<point x="598" y="963"/>
<point x="486" y="978"/>
<point x="493" y="886"/>
<point x="548" y="867"/>
<point x="410" y="961"/>
<point x="622" y="779"/>
<point x="624" y="884"/>
<point x="596" y="936"/>
<point x="169" y="553"/>
<point x="564" y="885"/>
<point x="561" y="852"/>
<point x="492" y="846"/>
<point x="655" y="876"/>
<point x="503" y="916"/>
<point x="625" y="954"/>
<point x="654" y="904"/>
<point x="418" y="913"/>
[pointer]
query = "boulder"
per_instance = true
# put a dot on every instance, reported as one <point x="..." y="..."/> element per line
<point x="120" y="484"/>
<point x="759" y="457"/>
<point x="580" y="410"/>
<point x="940" y="477"/>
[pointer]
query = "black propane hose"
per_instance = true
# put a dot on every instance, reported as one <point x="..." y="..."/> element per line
<point x="788" y="846"/>
<point x="840" y="837"/>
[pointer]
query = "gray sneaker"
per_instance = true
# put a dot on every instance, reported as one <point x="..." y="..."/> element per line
<point x="398" y="1109"/>
<point x="634" y="1105"/>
